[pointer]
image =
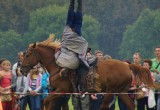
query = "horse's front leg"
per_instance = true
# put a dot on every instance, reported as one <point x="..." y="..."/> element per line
<point x="50" y="100"/>
<point x="127" y="101"/>
<point x="107" y="102"/>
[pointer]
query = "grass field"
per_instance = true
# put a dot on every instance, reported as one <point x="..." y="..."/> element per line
<point x="71" y="107"/>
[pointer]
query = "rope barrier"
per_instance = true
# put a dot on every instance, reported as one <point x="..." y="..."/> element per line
<point x="62" y="93"/>
<point x="18" y="93"/>
<point x="74" y="93"/>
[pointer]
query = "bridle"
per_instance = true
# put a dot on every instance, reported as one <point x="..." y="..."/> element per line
<point x="35" y="54"/>
<point x="29" y="65"/>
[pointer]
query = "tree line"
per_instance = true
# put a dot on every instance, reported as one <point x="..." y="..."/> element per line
<point x="117" y="27"/>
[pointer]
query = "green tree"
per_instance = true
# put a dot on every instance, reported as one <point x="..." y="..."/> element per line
<point x="114" y="16"/>
<point x="142" y="36"/>
<point x="11" y="43"/>
<point x="52" y="19"/>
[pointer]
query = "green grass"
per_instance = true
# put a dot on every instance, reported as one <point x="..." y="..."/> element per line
<point x="71" y="107"/>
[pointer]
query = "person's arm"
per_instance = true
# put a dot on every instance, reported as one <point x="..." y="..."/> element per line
<point x="13" y="81"/>
<point x="1" y="75"/>
<point x="28" y="78"/>
<point x="44" y="81"/>
<point x="14" y="68"/>
<point x="157" y="79"/>
<point x="25" y="82"/>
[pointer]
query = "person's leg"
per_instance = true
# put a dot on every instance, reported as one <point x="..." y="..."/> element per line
<point x="28" y="101"/>
<point x="85" y="103"/>
<point x="141" y="104"/>
<point x="158" y="102"/>
<point x="75" y="102"/>
<point x="156" y="99"/>
<point x="78" y="29"/>
<point x="37" y="102"/>
<point x="78" y="19"/>
<point x="9" y="106"/>
<point x="112" y="104"/>
<point x="32" y="102"/>
<point x="71" y="14"/>
<point x="23" y="103"/>
<point x="4" y="105"/>
<point x="93" y="105"/>
<point x="122" y="106"/>
<point x="65" y="105"/>
<point x="99" y="100"/>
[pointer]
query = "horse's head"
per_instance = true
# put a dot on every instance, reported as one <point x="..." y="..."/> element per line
<point x="30" y="59"/>
<point x="42" y="52"/>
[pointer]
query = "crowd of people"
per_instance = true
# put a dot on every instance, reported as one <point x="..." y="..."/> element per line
<point x="37" y="81"/>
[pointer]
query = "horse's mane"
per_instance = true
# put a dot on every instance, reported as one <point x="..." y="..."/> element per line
<point x="50" y="42"/>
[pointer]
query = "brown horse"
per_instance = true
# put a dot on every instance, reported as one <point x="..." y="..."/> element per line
<point x="115" y="75"/>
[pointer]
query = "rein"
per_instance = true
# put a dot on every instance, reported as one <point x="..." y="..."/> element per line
<point x="30" y="65"/>
<point x="38" y="58"/>
<point x="55" y="73"/>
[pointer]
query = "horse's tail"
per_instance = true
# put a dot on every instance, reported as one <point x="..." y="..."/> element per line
<point x="142" y="75"/>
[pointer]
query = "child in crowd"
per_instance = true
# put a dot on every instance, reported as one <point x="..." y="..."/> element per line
<point x="5" y="84"/>
<point x="22" y="87"/>
<point x="34" y="86"/>
<point x="1" y="60"/>
<point x="45" y="84"/>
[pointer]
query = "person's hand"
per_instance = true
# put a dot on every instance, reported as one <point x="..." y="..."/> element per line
<point x="94" y="97"/>
<point x="7" y="89"/>
<point x="133" y="88"/>
<point x="33" y="93"/>
<point x="18" y="97"/>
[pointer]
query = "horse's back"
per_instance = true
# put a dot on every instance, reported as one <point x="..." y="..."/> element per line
<point x="114" y="74"/>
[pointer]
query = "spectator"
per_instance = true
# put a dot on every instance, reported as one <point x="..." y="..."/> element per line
<point x="99" y="54"/>
<point x="156" y="70"/>
<point x="137" y="58"/>
<point x="5" y="84"/>
<point x="34" y="82"/>
<point x="144" y="101"/>
<point x="20" y="59"/>
<point x="121" y="105"/>
<point x="96" y="99"/>
<point x="21" y="86"/>
<point x="45" y="84"/>
<point x="107" y="57"/>
<point x="1" y="60"/>
<point x="80" y="103"/>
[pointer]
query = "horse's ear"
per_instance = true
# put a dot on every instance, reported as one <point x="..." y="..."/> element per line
<point x="34" y="45"/>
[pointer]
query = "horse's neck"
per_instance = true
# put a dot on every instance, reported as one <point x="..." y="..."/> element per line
<point x="52" y="68"/>
<point x="50" y="64"/>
